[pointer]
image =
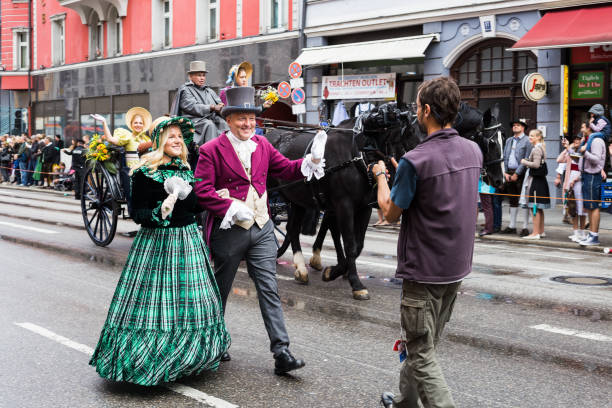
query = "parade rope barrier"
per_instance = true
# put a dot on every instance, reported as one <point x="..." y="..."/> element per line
<point x="550" y="197"/>
<point x="31" y="171"/>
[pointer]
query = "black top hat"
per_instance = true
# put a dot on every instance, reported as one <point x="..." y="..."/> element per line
<point x="522" y="122"/>
<point x="240" y="99"/>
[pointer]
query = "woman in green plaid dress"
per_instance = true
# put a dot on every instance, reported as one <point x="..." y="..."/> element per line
<point x="165" y="320"/>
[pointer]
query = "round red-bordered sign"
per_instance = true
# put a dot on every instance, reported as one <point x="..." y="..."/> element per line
<point x="298" y="95"/>
<point x="295" y="70"/>
<point x="284" y="89"/>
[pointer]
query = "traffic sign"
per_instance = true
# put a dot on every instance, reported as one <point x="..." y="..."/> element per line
<point x="298" y="109"/>
<point x="298" y="95"/>
<point x="284" y="89"/>
<point x="296" y="82"/>
<point x="295" y="70"/>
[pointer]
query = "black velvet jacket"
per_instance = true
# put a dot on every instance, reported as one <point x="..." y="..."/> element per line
<point x="148" y="194"/>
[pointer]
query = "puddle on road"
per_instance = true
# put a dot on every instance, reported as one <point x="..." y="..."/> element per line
<point x="502" y="271"/>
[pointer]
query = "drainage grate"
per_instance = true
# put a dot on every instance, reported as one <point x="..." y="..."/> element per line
<point x="584" y="280"/>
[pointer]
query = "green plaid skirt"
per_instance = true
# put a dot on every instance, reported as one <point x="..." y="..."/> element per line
<point x="166" y="319"/>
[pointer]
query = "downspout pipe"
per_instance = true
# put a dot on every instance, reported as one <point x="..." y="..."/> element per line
<point x="30" y="62"/>
<point x="302" y="43"/>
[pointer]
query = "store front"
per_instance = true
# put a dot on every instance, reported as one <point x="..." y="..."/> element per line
<point x="362" y="75"/>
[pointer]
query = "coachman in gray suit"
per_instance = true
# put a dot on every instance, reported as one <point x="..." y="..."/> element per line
<point x="198" y="102"/>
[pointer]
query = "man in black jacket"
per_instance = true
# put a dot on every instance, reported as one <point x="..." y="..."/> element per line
<point x="77" y="151"/>
<point x="49" y="153"/>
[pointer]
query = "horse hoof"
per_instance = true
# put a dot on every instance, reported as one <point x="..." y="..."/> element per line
<point x="326" y="275"/>
<point x="301" y="277"/>
<point x="316" y="265"/>
<point x="361" y="294"/>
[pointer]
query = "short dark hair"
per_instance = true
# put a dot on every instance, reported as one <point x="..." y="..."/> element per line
<point x="443" y="96"/>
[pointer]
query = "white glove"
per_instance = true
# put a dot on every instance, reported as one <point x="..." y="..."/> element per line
<point x="168" y="205"/>
<point x="236" y="212"/>
<point x="318" y="145"/>
<point x="243" y="213"/>
<point x="223" y="193"/>
<point x="178" y="186"/>
<point x="98" y="117"/>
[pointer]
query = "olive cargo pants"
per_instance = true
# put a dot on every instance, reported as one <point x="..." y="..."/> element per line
<point x="425" y="309"/>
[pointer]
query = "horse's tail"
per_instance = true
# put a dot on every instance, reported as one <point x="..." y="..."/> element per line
<point x="310" y="221"/>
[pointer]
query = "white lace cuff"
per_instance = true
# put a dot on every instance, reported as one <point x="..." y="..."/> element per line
<point x="310" y="169"/>
<point x="228" y="220"/>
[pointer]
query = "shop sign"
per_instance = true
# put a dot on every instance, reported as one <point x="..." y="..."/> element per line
<point x="589" y="85"/>
<point x="589" y="55"/>
<point x="366" y="86"/>
<point x="534" y="86"/>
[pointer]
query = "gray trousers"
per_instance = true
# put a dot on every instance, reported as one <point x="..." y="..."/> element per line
<point x="425" y="310"/>
<point x="258" y="247"/>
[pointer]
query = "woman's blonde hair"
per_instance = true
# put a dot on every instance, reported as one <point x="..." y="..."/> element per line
<point x="155" y="158"/>
<point x="537" y="133"/>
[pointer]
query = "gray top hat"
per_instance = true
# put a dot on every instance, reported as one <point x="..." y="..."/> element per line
<point x="240" y="99"/>
<point x="197" y="66"/>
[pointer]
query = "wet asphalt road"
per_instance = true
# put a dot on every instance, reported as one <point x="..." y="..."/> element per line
<point x="346" y="344"/>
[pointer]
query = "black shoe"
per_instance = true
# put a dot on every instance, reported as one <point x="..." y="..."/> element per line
<point x="496" y="230"/>
<point x="130" y="234"/>
<point x="285" y="362"/>
<point x="386" y="399"/>
<point x="225" y="356"/>
<point x="482" y="233"/>
<point x="524" y="232"/>
<point x="509" y="230"/>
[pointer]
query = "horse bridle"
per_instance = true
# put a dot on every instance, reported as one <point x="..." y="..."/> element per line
<point x="486" y="140"/>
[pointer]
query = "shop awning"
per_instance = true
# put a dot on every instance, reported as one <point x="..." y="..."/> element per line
<point x="396" y="48"/>
<point x="569" y="28"/>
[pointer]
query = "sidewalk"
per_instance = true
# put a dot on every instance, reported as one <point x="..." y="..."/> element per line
<point x="557" y="232"/>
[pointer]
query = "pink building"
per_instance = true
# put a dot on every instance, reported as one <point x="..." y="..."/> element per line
<point x="104" y="56"/>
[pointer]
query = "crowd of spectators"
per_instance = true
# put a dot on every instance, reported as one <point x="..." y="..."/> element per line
<point x="30" y="161"/>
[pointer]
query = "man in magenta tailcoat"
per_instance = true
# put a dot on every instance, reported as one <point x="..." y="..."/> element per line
<point x="233" y="169"/>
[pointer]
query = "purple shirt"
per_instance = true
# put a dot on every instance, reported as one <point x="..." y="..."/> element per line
<point x="436" y="240"/>
<point x="595" y="159"/>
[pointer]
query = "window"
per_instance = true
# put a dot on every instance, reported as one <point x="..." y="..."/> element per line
<point x="96" y="37"/>
<point x="115" y="33"/>
<point x="99" y="105"/>
<point x="58" y="40"/>
<point x="167" y="24"/>
<point x="274" y="15"/>
<point x="212" y="20"/>
<point x="490" y="63"/>
<point x="50" y="117"/>
<point x="21" y="55"/>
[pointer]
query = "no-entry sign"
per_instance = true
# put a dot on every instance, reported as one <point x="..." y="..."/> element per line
<point x="295" y="70"/>
<point x="298" y="95"/>
<point x="284" y="89"/>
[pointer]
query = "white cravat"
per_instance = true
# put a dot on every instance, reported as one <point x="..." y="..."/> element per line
<point x="244" y="148"/>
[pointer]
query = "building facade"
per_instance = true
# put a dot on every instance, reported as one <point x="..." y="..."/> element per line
<point x="477" y="43"/>
<point x="104" y="56"/>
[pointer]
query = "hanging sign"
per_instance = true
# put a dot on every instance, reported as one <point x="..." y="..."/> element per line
<point x="589" y="55"/>
<point x="366" y="86"/>
<point x="298" y="95"/>
<point x="295" y="70"/>
<point x="534" y="87"/>
<point x="298" y="109"/>
<point x="589" y="85"/>
<point x="284" y="89"/>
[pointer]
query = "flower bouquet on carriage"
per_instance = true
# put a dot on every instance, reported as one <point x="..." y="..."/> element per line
<point x="99" y="151"/>
<point x="269" y="96"/>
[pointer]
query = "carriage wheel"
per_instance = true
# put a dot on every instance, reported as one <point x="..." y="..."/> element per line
<point x="100" y="211"/>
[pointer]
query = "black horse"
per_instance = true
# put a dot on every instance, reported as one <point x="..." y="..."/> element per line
<point x="483" y="129"/>
<point x="383" y="134"/>
<point x="346" y="193"/>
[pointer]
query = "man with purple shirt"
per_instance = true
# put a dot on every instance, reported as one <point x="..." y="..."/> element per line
<point x="233" y="169"/>
<point x="593" y="164"/>
<point x="435" y="191"/>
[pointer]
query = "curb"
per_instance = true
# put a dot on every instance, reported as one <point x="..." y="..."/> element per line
<point x="37" y="190"/>
<point x="563" y="358"/>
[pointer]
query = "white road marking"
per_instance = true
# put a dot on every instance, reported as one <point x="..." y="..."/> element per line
<point x="571" y="332"/>
<point x="378" y="264"/>
<point x="192" y="393"/>
<point x="26" y="227"/>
